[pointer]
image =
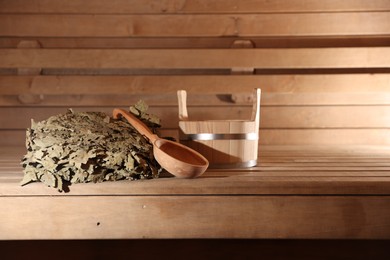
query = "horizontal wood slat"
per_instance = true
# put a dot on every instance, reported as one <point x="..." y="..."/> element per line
<point x="236" y="183"/>
<point x="13" y="174"/>
<point x="195" y="84"/>
<point x="324" y="71"/>
<point x="299" y="200"/>
<point x="267" y="99"/>
<point x="316" y="217"/>
<point x="317" y="24"/>
<point x="136" y="36"/>
<point x="375" y="57"/>
<point x="283" y="137"/>
<point x="289" y="155"/>
<point x="200" y="42"/>
<point x="336" y="89"/>
<point x="11" y="171"/>
<point x="325" y="137"/>
<point x="271" y="116"/>
<point x="189" y="6"/>
<point x="291" y="169"/>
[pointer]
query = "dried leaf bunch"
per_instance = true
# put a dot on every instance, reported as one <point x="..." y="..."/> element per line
<point x="78" y="147"/>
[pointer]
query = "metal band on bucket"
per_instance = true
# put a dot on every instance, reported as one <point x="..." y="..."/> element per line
<point x="246" y="164"/>
<point x="209" y="137"/>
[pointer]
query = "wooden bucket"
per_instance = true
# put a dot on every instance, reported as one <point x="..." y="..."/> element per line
<point x="225" y="143"/>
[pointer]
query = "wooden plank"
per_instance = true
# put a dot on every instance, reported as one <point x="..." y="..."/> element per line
<point x="309" y="155"/>
<point x="285" y="166"/>
<point x="238" y="182"/>
<point x="201" y="42"/>
<point x="325" y="117"/>
<point x="375" y="57"/>
<point x="207" y="217"/>
<point x="194" y="6"/>
<point x="328" y="164"/>
<point x="12" y="138"/>
<point x="195" y="84"/>
<point x="296" y="24"/>
<point x="271" y="151"/>
<point x="271" y="180"/>
<point x="300" y="155"/>
<point x="323" y="160"/>
<point x="122" y="100"/>
<point x="339" y="89"/>
<point x="14" y="174"/>
<point x="326" y="98"/>
<point x="267" y="99"/>
<point x="325" y="136"/>
<point x="282" y="171"/>
<point x="21" y="117"/>
<point x="272" y="117"/>
<point x="354" y="151"/>
<point x="16" y="137"/>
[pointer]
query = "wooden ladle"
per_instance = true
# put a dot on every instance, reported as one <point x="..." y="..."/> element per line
<point x="174" y="157"/>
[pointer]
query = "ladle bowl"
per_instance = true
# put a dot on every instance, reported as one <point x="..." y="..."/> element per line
<point x="174" y="157"/>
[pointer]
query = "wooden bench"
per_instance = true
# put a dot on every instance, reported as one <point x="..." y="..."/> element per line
<point x="324" y="156"/>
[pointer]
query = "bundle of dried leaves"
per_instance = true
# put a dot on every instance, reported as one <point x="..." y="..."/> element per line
<point x="79" y="147"/>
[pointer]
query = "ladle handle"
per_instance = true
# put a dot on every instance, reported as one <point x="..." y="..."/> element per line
<point x="134" y="121"/>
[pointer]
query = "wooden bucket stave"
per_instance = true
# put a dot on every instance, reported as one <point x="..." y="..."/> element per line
<point x="225" y="143"/>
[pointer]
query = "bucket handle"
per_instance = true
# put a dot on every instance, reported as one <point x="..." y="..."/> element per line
<point x="182" y="99"/>
<point x="256" y="108"/>
<point x="183" y="113"/>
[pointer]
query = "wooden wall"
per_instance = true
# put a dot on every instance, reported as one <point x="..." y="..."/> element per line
<point x="323" y="66"/>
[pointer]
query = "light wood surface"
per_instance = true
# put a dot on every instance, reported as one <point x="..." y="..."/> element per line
<point x="188" y="217"/>
<point x="294" y="58"/>
<point x="324" y="71"/>
<point x="347" y="136"/>
<point x="322" y="66"/>
<point x="296" y="117"/>
<point x="208" y="25"/>
<point x="201" y="42"/>
<point x="293" y="192"/>
<point x="348" y="89"/>
<point x="192" y="6"/>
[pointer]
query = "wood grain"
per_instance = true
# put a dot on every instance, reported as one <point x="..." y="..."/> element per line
<point x="201" y="42"/>
<point x="290" y="199"/>
<point x="124" y="100"/>
<point x="195" y="84"/>
<point x="323" y="67"/>
<point x="193" y="6"/>
<point x="194" y="217"/>
<point x="76" y="91"/>
<point x="272" y="117"/>
<point x="196" y="59"/>
<point x="324" y="137"/>
<point x="352" y="170"/>
<point x="214" y="25"/>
